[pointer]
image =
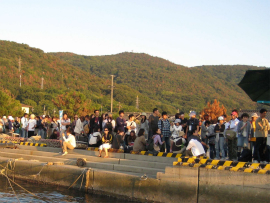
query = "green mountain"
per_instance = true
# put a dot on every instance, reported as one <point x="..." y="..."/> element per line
<point x="157" y="82"/>
<point x="174" y="85"/>
<point x="60" y="77"/>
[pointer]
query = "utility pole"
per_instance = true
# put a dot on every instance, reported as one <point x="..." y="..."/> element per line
<point x="112" y="93"/>
<point x="137" y="102"/>
<point x="19" y="64"/>
<point x="20" y="71"/>
<point x="42" y="79"/>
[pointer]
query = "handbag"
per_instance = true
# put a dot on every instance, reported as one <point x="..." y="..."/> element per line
<point x="230" y="134"/>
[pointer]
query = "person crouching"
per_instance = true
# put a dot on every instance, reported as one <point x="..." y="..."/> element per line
<point x="68" y="143"/>
<point x="106" y="143"/>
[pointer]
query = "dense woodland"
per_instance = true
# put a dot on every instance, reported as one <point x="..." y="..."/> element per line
<point x="157" y="82"/>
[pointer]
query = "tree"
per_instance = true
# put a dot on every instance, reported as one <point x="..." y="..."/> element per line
<point x="73" y="103"/>
<point x="214" y="110"/>
<point x="9" y="105"/>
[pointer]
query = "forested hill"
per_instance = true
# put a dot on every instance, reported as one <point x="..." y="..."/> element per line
<point x="60" y="78"/>
<point x="157" y="82"/>
<point x="171" y="84"/>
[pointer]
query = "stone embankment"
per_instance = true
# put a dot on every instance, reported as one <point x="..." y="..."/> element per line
<point x="133" y="176"/>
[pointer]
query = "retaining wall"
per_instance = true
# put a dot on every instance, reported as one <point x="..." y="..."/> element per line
<point x="177" y="184"/>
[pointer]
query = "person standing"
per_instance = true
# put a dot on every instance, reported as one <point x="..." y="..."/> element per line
<point x="31" y="125"/>
<point x="24" y="122"/>
<point x="96" y="122"/>
<point x="131" y="124"/>
<point x="219" y="129"/>
<point x="153" y="123"/>
<point x="65" y="122"/>
<point x="164" y="126"/>
<point x="192" y="124"/>
<point x="232" y="143"/>
<point x="16" y="125"/>
<point x="244" y="133"/>
<point x="261" y="132"/>
<point x="121" y="122"/>
<point x="254" y="117"/>
<point x="183" y="120"/>
<point x="109" y="123"/>
<point x="73" y="124"/>
<point x="54" y="124"/>
<point x="78" y="129"/>
<point x="144" y="125"/>
<point x="5" y="124"/>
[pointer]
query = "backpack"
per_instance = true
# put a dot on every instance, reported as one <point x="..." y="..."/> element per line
<point x="86" y="129"/>
<point x="246" y="156"/>
<point x="94" y="138"/>
<point x="150" y="144"/>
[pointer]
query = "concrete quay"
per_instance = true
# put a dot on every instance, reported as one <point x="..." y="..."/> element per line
<point x="134" y="177"/>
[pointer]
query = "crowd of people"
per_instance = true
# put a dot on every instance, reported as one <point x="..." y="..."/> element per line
<point x="222" y="138"/>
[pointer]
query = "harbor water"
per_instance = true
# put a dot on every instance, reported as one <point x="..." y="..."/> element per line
<point x="47" y="193"/>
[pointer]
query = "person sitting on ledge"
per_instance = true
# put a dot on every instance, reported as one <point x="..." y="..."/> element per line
<point x="68" y="143"/>
<point x="106" y="142"/>
<point x="140" y="142"/>
<point x="118" y="140"/>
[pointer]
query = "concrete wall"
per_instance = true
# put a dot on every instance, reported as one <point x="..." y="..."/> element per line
<point x="177" y="184"/>
<point x="212" y="185"/>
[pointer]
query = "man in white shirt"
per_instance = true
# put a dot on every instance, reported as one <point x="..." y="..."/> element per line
<point x="195" y="144"/>
<point x="24" y="122"/>
<point x="69" y="142"/>
<point x="131" y="124"/>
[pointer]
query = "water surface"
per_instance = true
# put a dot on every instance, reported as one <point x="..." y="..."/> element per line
<point x="47" y="193"/>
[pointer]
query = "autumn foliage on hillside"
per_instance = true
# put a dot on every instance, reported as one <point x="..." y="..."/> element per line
<point x="214" y="110"/>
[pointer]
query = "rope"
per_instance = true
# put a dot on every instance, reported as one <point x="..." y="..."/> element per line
<point x="10" y="184"/>
<point x="78" y="179"/>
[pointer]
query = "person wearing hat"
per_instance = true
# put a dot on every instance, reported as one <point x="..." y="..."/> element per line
<point x="232" y="143"/>
<point x="175" y="129"/>
<point x="192" y="124"/>
<point x="144" y="125"/>
<point x="220" y="140"/>
<point x="254" y="117"/>
<point x="164" y="126"/>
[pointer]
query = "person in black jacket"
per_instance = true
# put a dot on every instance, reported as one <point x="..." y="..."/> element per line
<point x="96" y="122"/>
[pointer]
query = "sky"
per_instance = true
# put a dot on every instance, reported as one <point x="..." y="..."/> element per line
<point x="189" y="33"/>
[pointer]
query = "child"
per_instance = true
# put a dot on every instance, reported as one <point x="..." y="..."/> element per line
<point x="157" y="140"/>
